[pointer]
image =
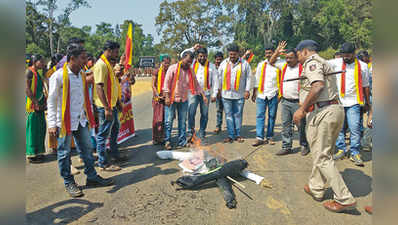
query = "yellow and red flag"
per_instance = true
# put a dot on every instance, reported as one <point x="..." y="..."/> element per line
<point x="129" y="48"/>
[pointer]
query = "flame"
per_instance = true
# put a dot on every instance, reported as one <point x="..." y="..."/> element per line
<point x="218" y="152"/>
<point x="196" y="142"/>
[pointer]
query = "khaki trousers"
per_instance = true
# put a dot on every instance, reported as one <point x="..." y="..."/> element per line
<point x="323" y="127"/>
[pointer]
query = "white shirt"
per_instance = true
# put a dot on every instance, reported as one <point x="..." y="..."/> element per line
<point x="212" y="76"/>
<point x="290" y="89"/>
<point x="270" y="82"/>
<point x="54" y="101"/>
<point x="350" y="97"/>
<point x="245" y="79"/>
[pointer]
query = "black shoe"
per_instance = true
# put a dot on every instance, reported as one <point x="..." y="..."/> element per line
<point x="99" y="182"/>
<point x="73" y="190"/>
<point x="305" y="150"/>
<point x="284" y="152"/>
<point x="34" y="160"/>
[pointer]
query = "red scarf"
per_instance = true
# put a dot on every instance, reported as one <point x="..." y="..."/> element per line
<point x="358" y="81"/>
<point x="176" y="79"/>
<point x="206" y="75"/>
<point x="283" y="78"/>
<point x="65" y="110"/>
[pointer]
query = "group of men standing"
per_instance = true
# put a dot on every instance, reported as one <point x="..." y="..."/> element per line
<point x="311" y="97"/>
<point x="81" y="98"/>
<point x="314" y="98"/>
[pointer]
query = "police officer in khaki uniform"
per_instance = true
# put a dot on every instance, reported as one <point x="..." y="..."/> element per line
<point x="325" y="117"/>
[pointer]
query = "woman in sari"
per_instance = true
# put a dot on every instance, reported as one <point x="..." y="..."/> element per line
<point x="35" y="107"/>
<point x="158" y="100"/>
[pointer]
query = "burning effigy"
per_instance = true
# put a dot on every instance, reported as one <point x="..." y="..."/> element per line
<point x="202" y="165"/>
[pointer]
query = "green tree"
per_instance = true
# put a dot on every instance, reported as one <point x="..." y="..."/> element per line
<point x="49" y="6"/>
<point x="184" y="23"/>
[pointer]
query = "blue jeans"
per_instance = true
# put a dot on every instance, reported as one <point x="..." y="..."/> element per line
<point x="82" y="141"/>
<point x="182" y="109"/>
<point x="220" y="109"/>
<point x="352" y="118"/>
<point x="107" y="128"/>
<point x="261" y="107"/>
<point x="193" y="102"/>
<point x="233" y="115"/>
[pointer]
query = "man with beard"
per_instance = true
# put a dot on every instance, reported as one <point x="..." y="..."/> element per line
<point x="69" y="114"/>
<point x="235" y="84"/>
<point x="289" y="97"/>
<point x="106" y="99"/>
<point x="180" y="79"/>
<point x="207" y="76"/>
<point x="353" y="86"/>
<point x="325" y="115"/>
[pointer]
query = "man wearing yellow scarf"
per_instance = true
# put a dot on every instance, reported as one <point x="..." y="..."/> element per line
<point x="106" y="99"/>
<point x="68" y="114"/>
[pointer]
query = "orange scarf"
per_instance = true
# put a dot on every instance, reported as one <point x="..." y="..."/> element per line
<point x="250" y="57"/>
<point x="227" y="77"/>
<point x="174" y="84"/>
<point x="283" y="78"/>
<point x="109" y="85"/>
<point x="263" y="76"/>
<point x="65" y="110"/>
<point x="207" y="83"/>
<point x="358" y="81"/>
<point x="33" y="87"/>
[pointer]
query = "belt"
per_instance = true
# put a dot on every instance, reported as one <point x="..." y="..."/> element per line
<point x="291" y="100"/>
<point x="323" y="104"/>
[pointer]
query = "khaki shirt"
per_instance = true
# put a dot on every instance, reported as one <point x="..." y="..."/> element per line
<point x="101" y="74"/>
<point x="314" y="69"/>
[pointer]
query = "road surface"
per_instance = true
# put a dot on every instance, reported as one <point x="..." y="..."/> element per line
<point x="143" y="195"/>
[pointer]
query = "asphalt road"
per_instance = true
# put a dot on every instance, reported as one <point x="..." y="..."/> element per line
<point x="143" y="195"/>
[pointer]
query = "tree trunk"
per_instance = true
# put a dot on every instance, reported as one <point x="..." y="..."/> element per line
<point x="58" y="44"/>
<point x="50" y="30"/>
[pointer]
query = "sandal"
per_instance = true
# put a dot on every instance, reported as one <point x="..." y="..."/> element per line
<point x="228" y="140"/>
<point x="110" y="168"/>
<point x="240" y="139"/>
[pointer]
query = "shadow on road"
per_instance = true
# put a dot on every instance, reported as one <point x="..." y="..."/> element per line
<point x="357" y="182"/>
<point x="62" y="212"/>
<point x="138" y="175"/>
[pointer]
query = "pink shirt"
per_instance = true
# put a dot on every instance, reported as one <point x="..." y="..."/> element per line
<point x="182" y="86"/>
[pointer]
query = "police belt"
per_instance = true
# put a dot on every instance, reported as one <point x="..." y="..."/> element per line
<point x="323" y="104"/>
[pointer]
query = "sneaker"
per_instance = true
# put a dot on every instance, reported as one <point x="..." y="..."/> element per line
<point x="168" y="145"/>
<point x="339" y="155"/>
<point x="284" y="152"/>
<point x="357" y="160"/>
<point x="305" y="150"/>
<point x="73" y="190"/>
<point x="99" y="182"/>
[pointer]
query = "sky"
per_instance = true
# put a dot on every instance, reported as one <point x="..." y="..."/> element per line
<point x="115" y="12"/>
